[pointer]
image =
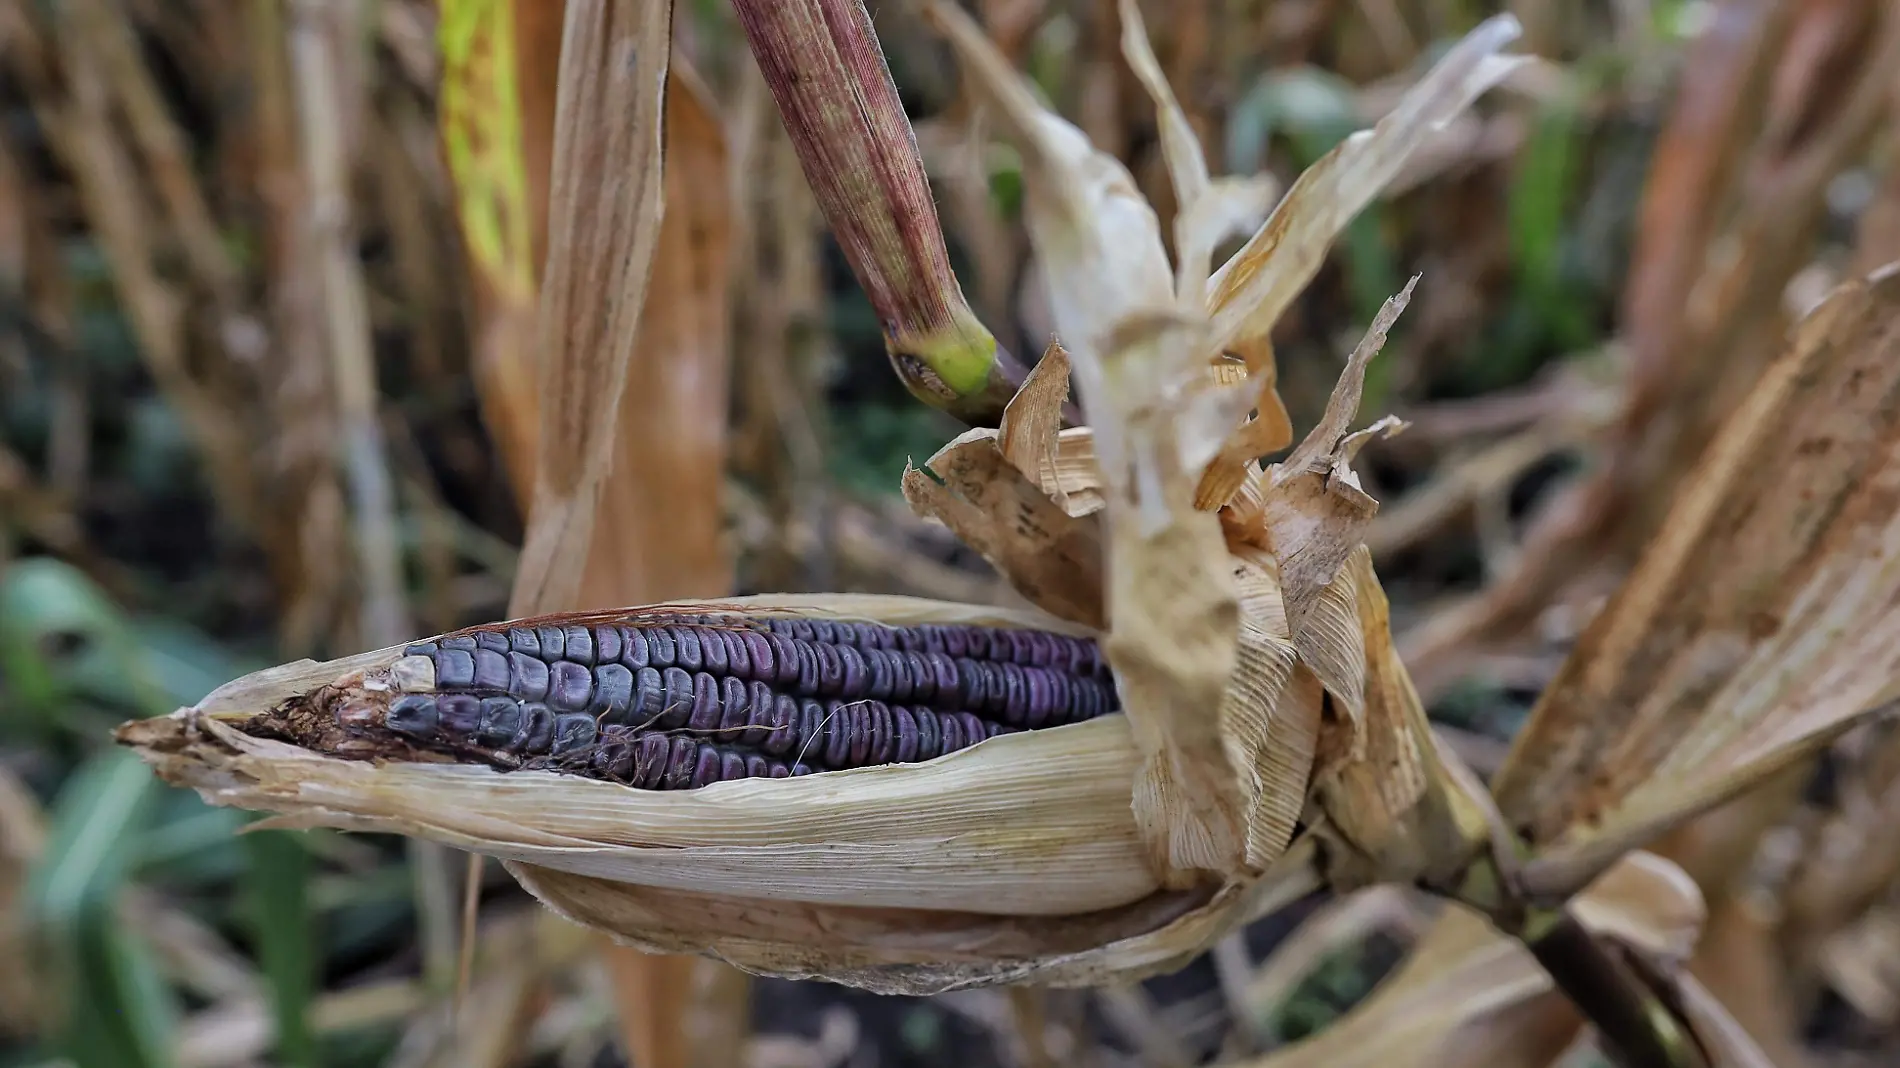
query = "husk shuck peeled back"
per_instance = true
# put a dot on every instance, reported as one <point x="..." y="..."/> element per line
<point x="910" y="795"/>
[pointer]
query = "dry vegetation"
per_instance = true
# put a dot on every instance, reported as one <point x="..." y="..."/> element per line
<point x="1541" y="724"/>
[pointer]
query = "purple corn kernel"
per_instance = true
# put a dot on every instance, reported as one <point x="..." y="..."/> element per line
<point x="785" y="658"/>
<point x="830" y="670"/>
<point x="678" y="707"/>
<point x="831" y="735"/>
<point x="679" y="764"/>
<point x="856" y="722"/>
<point x="950" y="729"/>
<point x="413" y="715"/>
<point x="536" y="732"/>
<point x="705" y="766"/>
<point x="634" y="651"/>
<point x="492" y="640"/>
<point x="464" y="642"/>
<point x="707" y="710"/>
<point x="613" y="761"/>
<point x="651" y="760"/>
<point x="855" y="682"/>
<point x="909" y="736"/>
<point x="570" y="686"/>
<point x="738" y="657"/>
<point x="883" y="732"/>
<point x="877" y="665"/>
<point x="613" y="692"/>
<point x="458" y="715"/>
<point x="553" y="642"/>
<point x="454" y="669"/>
<point x="757" y="767"/>
<point x="579" y="645"/>
<point x="807" y="666"/>
<point x="712" y="650"/>
<point x="902" y="681"/>
<point x="491" y="671"/>
<point x="731" y="766"/>
<point x="784" y="735"/>
<point x="758" y="650"/>
<point x="649" y="697"/>
<point x="527" y="677"/>
<point x="607" y="644"/>
<point x="686" y="648"/>
<point x="524" y="640"/>
<point x="501" y="718"/>
<point x="736" y="698"/>
<point x="1035" y="701"/>
<point x="661" y="647"/>
<point x="572" y="732"/>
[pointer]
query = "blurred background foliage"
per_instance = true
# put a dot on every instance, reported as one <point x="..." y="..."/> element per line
<point x="1608" y="247"/>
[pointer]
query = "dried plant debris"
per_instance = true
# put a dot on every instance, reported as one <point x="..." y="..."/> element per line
<point x="668" y="700"/>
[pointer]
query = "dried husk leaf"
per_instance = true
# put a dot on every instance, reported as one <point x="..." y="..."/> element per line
<point x="1209" y="209"/>
<point x="1174" y="621"/>
<point x="1760" y="623"/>
<point x="1032" y="421"/>
<point x="1246" y="297"/>
<point x="916" y="952"/>
<point x="1468" y="995"/>
<point x="1050" y="557"/>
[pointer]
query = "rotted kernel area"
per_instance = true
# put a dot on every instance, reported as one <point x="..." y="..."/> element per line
<point x="693" y="700"/>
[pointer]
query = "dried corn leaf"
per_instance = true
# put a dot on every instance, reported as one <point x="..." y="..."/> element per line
<point x="1173" y="617"/>
<point x="1313" y="509"/>
<point x="605" y="208"/>
<point x="1760" y="622"/>
<point x="1468" y="995"/>
<point x="1032" y="421"/>
<point x="1250" y="291"/>
<point x="1247" y="295"/>
<point x="1050" y="557"/>
<point x="1209" y="209"/>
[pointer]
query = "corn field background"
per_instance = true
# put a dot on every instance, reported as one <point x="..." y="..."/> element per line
<point x="264" y="273"/>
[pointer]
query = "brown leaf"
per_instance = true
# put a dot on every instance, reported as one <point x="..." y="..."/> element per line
<point x="1314" y="511"/>
<point x="606" y="204"/>
<point x="1760" y="622"/>
<point x="1051" y="558"/>
<point x="1032" y="422"/>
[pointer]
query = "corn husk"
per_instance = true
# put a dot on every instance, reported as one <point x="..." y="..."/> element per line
<point x="1090" y="853"/>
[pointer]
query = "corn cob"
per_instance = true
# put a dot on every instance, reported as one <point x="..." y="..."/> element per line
<point x="673" y="700"/>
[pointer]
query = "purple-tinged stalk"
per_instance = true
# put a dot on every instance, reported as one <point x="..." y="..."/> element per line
<point x="833" y="90"/>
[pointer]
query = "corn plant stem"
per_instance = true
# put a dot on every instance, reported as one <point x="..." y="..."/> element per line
<point x="1641" y="1031"/>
